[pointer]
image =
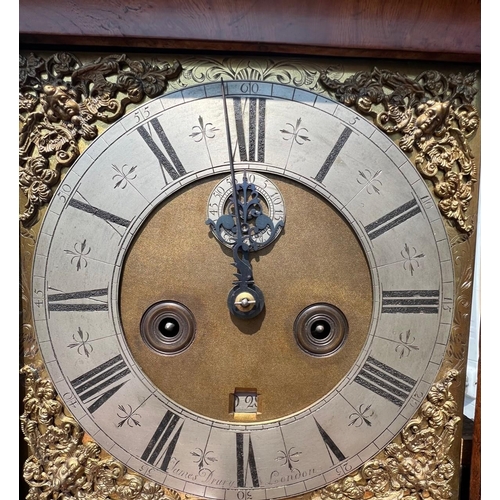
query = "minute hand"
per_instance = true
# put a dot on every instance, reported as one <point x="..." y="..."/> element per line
<point x="245" y="300"/>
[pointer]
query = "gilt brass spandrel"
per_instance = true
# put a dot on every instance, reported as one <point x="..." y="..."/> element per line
<point x="175" y="257"/>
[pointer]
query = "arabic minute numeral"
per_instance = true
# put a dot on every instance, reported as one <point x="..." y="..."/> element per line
<point x="38" y="300"/>
<point x="142" y="114"/>
<point x="64" y="192"/>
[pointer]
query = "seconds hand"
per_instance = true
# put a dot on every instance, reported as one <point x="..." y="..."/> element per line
<point x="245" y="300"/>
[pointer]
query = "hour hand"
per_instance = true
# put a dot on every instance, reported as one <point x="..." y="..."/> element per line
<point x="245" y="300"/>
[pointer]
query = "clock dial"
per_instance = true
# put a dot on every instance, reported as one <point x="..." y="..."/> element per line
<point x="134" y="326"/>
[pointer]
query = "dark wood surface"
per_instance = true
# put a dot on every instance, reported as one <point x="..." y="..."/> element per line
<point x="416" y="29"/>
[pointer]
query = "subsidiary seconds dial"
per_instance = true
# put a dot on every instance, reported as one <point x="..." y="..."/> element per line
<point x="358" y="292"/>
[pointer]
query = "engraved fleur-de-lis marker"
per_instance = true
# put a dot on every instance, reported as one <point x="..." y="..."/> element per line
<point x="124" y="175"/>
<point x="411" y="256"/>
<point x="288" y="457"/>
<point x="128" y="416"/>
<point x="370" y="180"/>
<point x="82" y="343"/>
<point x="295" y="134"/>
<point x="410" y="259"/>
<point x="361" y="416"/>
<point x="203" y="132"/>
<point x="79" y="252"/>
<point x="203" y="458"/>
<point x="407" y="344"/>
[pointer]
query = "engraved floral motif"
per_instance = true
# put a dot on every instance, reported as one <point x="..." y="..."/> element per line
<point x="296" y="134"/>
<point x="288" y="457"/>
<point x="406" y="345"/>
<point x="203" y="458"/>
<point x="124" y="175"/>
<point x="411" y="257"/>
<point x="203" y="70"/>
<point x="370" y="180"/>
<point x="361" y="416"/>
<point x="82" y="343"/>
<point x="78" y="254"/>
<point x="128" y="416"/>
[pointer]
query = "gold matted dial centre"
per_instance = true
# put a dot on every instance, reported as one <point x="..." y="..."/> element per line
<point x="316" y="259"/>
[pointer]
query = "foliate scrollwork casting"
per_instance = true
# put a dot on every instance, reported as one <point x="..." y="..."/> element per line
<point x="60" y="101"/>
<point x="419" y="466"/>
<point x="434" y="115"/>
<point x="63" y="465"/>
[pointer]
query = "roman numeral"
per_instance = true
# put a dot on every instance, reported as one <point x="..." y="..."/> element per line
<point x="337" y="148"/>
<point x="392" y="219"/>
<point x="161" y="447"/>
<point x="58" y="301"/>
<point x="332" y="448"/>
<point x="172" y="164"/>
<point x="102" y="214"/>
<point x="410" y="301"/>
<point x="256" y="129"/>
<point x="100" y="383"/>
<point x="241" y="470"/>
<point x="385" y="381"/>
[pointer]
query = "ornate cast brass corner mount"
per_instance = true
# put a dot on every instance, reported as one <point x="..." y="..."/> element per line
<point x="63" y="464"/>
<point x="416" y="468"/>
<point x="434" y="115"/>
<point x="60" y="101"/>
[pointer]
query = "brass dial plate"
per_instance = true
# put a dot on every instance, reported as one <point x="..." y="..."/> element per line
<point x="175" y="257"/>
